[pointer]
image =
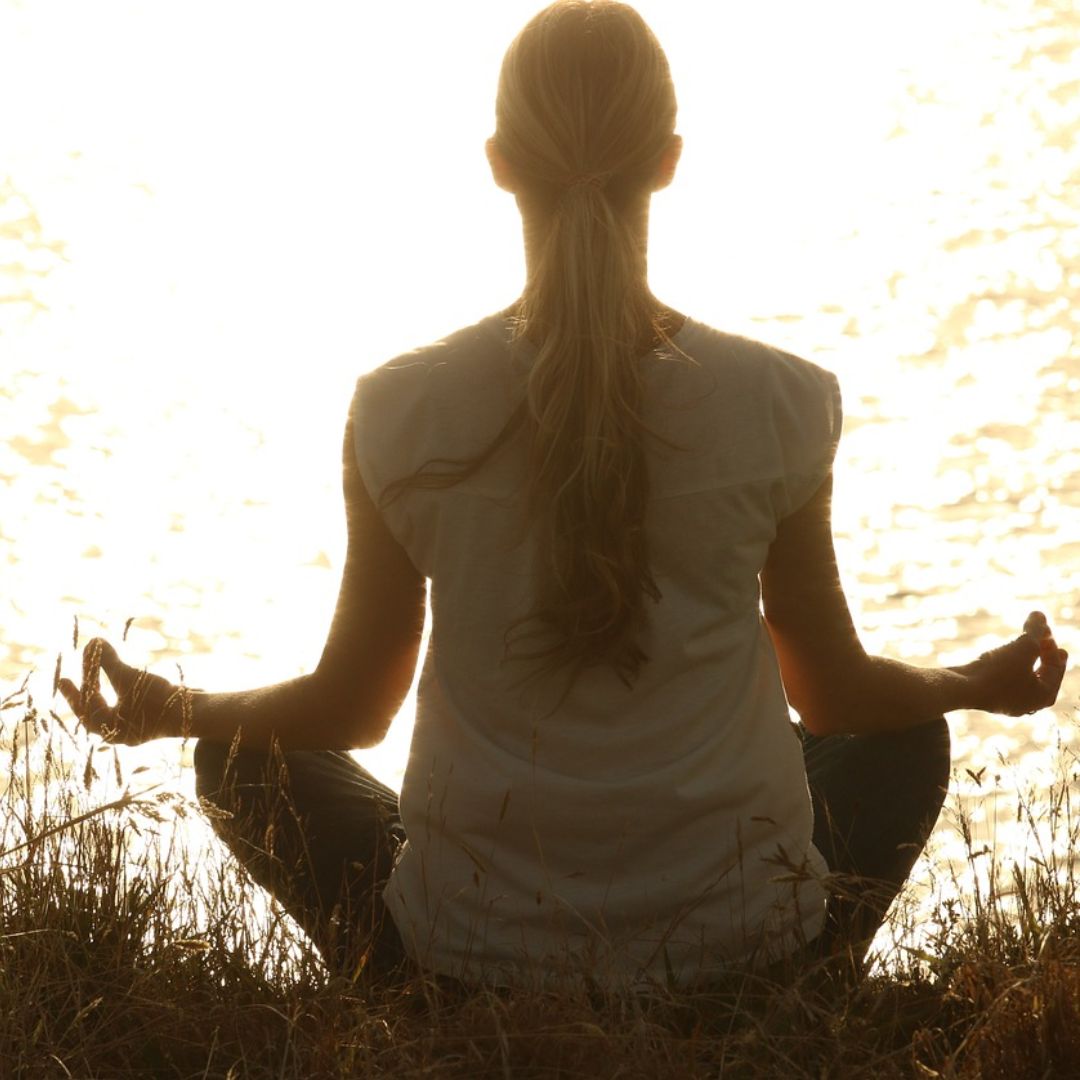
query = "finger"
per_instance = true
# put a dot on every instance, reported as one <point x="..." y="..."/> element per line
<point x="1050" y="676"/>
<point x="1025" y="649"/>
<point x="99" y="654"/>
<point x="94" y="713"/>
<point x="91" y="667"/>
<point x="82" y="700"/>
<point x="1035" y="625"/>
<point x="70" y="694"/>
<point x="1049" y="653"/>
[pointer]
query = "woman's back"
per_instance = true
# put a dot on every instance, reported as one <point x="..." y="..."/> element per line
<point x="544" y="811"/>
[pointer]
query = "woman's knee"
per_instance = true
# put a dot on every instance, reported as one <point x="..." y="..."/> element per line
<point x="924" y="749"/>
<point x="932" y="744"/>
<point x="934" y="733"/>
<point x="210" y="761"/>
<point x="220" y="767"/>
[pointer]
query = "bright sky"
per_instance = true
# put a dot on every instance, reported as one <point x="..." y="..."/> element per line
<point x="290" y="169"/>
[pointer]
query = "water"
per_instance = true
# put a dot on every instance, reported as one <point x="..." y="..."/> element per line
<point x="197" y="259"/>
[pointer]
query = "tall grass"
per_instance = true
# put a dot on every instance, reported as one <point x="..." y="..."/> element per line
<point x="132" y="945"/>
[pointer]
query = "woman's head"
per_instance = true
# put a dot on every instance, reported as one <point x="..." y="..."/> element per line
<point x="585" y="94"/>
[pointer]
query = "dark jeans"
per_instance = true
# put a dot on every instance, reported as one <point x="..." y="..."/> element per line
<point x="876" y="800"/>
<point x="321" y="833"/>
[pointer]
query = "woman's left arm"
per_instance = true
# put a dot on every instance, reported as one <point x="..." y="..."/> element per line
<point x="363" y="675"/>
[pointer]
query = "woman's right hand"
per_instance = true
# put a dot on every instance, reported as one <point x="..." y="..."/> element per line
<point x="1020" y="677"/>
<point x="147" y="707"/>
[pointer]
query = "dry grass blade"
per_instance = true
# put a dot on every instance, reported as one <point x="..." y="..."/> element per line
<point x="124" y="802"/>
<point x="128" y="949"/>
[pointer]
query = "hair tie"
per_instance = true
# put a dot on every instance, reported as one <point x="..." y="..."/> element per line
<point x="593" y="180"/>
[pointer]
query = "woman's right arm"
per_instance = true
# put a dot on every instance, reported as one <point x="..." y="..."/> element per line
<point x="831" y="681"/>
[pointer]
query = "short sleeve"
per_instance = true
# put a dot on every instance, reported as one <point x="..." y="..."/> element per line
<point x="438" y="404"/>
<point x="377" y="443"/>
<point x="809" y="419"/>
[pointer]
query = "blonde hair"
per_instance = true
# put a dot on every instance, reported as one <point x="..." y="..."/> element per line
<point x="584" y="116"/>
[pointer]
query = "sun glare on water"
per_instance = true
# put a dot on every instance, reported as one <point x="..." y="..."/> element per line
<point x="213" y="217"/>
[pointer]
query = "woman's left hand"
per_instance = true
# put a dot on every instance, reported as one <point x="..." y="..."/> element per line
<point x="147" y="706"/>
<point x="1021" y="676"/>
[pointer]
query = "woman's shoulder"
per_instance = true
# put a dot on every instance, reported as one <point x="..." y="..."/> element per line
<point x="443" y="382"/>
<point x="484" y="337"/>
<point x="750" y="356"/>
<point x="743" y="373"/>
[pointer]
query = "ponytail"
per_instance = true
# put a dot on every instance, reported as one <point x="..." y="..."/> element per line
<point x="585" y="114"/>
<point x="588" y="480"/>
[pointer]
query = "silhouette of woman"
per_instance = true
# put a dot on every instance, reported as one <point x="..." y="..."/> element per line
<point x="623" y="518"/>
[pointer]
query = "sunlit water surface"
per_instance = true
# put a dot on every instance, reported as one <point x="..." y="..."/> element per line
<point x="210" y="224"/>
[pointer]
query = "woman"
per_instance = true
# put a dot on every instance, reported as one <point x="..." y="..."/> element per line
<point x="624" y="516"/>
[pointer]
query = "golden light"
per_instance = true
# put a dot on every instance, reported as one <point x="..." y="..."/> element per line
<point x="214" y="216"/>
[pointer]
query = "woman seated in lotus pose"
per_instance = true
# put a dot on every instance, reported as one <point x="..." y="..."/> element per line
<point x="623" y="519"/>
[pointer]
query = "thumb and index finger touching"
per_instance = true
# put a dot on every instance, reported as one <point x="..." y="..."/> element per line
<point x="100" y="655"/>
<point x="1041" y="646"/>
<point x="87" y="701"/>
<point x="1037" y="631"/>
<point x="1025" y="674"/>
<point x="1051" y="669"/>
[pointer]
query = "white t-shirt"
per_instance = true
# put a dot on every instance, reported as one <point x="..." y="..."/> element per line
<point x="660" y="831"/>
